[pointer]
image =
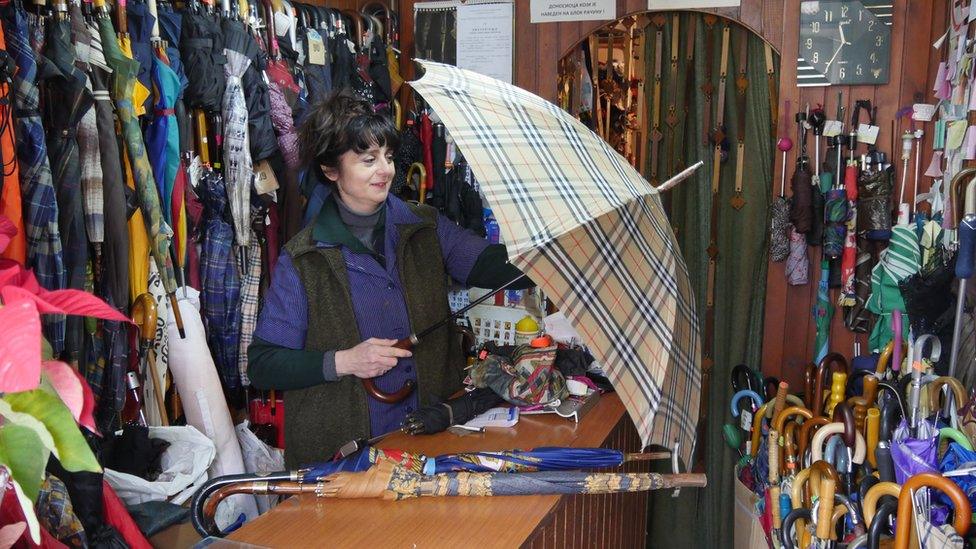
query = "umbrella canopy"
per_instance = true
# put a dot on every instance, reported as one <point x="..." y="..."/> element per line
<point x="202" y="53"/>
<point x="139" y="23"/>
<point x="163" y="133"/>
<point x="576" y="216"/>
<point x="239" y="168"/>
<point x="261" y="141"/>
<point x="823" y="311"/>
<point x="123" y="88"/>
<point x="44" y="252"/>
<point x="897" y="262"/>
<point x="67" y="100"/>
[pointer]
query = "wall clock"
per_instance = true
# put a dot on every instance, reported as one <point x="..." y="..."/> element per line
<point x="845" y="42"/>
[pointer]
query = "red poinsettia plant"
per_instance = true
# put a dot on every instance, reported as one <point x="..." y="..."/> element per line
<point x="42" y="402"/>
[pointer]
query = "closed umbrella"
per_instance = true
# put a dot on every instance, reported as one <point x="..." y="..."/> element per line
<point x="163" y="133"/>
<point x="220" y="281"/>
<point x="67" y="99"/>
<point x="823" y="312"/>
<point x="897" y="262"/>
<point x="576" y="216"/>
<point x="262" y="142"/>
<point x="44" y="252"/>
<point x="202" y="53"/>
<point x="139" y="25"/>
<point x="238" y="169"/>
<point x="123" y="88"/>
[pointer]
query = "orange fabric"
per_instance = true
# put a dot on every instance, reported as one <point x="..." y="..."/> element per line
<point x="10" y="202"/>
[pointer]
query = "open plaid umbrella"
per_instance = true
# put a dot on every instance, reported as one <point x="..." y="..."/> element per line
<point x="584" y="224"/>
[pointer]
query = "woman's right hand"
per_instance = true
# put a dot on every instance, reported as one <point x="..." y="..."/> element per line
<point x="371" y="358"/>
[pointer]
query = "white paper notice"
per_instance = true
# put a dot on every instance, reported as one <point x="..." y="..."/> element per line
<point x="484" y="39"/>
<point x="548" y="11"/>
<point x="680" y="4"/>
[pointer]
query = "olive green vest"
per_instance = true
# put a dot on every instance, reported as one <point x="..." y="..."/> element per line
<point x="320" y="419"/>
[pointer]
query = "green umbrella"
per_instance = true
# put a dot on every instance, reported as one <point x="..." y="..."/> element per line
<point x="122" y="90"/>
<point x="823" y="311"/>
<point x="899" y="261"/>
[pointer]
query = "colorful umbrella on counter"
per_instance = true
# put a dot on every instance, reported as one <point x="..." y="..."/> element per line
<point x="578" y="218"/>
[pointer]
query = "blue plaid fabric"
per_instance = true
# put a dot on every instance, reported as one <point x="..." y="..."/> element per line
<point x="221" y="295"/>
<point x="44" y="253"/>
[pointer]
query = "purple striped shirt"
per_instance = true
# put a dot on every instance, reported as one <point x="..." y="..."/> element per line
<point x="378" y="302"/>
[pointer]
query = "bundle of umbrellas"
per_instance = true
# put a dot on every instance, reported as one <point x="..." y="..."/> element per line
<point x="397" y="475"/>
<point x="834" y="465"/>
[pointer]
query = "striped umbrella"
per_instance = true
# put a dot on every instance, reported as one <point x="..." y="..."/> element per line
<point x="897" y="262"/>
<point x="592" y="232"/>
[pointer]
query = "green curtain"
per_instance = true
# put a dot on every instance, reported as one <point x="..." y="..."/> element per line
<point x="704" y="517"/>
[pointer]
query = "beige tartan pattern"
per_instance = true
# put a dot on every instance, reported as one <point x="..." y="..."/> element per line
<point x="592" y="233"/>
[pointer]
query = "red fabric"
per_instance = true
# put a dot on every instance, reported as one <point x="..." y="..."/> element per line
<point x="427" y="139"/>
<point x="117" y="516"/>
<point x="850" y="182"/>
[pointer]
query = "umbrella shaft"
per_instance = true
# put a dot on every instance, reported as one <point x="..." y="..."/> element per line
<point x="467" y="308"/>
<point x="957" y="327"/>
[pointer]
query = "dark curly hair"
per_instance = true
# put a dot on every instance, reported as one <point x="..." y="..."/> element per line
<point x="343" y="122"/>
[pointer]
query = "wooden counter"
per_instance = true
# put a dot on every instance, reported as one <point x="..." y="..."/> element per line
<point x="617" y="520"/>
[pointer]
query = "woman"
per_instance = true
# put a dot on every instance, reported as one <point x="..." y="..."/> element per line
<point x="369" y="270"/>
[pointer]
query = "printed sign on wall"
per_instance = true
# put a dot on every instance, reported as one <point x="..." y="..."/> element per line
<point x="549" y="11"/>
<point x="685" y="4"/>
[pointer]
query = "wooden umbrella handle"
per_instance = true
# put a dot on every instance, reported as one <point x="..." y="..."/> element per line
<point x="388" y="398"/>
<point x="827" y="489"/>
<point x="962" y="510"/>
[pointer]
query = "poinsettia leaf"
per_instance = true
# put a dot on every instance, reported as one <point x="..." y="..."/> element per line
<point x="20" y="348"/>
<point x="29" y="421"/>
<point x="73" y="451"/>
<point x="10" y="533"/>
<point x="24" y="454"/>
<point x="67" y="302"/>
<point x="77" y="302"/>
<point x="87" y="418"/>
<point x="66" y="384"/>
<point x="14" y="274"/>
<point x="33" y="526"/>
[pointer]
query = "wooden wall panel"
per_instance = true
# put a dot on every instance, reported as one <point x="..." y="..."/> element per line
<point x="788" y="336"/>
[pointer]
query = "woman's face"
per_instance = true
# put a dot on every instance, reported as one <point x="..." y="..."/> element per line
<point x="363" y="179"/>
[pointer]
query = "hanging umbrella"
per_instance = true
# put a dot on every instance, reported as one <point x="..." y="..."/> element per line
<point x="897" y="262"/>
<point x="779" y="238"/>
<point x="261" y="137"/>
<point x="66" y="102"/>
<point x="44" y="252"/>
<point x="577" y="216"/>
<point x="123" y="88"/>
<point x="202" y="53"/>
<point x="797" y="263"/>
<point x="849" y="255"/>
<point x="238" y="168"/>
<point x="823" y="312"/>
<point x="388" y="481"/>
<point x="220" y="281"/>
<point x="163" y="133"/>
<point x="281" y="85"/>
<point x="139" y="23"/>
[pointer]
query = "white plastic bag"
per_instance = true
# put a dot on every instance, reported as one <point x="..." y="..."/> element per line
<point x="184" y="464"/>
<point x="259" y="458"/>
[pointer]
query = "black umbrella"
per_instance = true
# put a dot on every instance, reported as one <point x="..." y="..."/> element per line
<point x="318" y="76"/>
<point x="66" y="102"/>
<point x="202" y="53"/>
<point x="344" y="64"/>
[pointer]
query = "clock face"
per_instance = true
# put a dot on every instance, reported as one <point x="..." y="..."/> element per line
<point x="843" y="42"/>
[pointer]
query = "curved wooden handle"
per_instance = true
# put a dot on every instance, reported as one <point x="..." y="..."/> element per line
<point x="388" y="398"/>
<point x="827" y="489"/>
<point x="962" y="510"/>
<point x="779" y="422"/>
<point x="874" y="494"/>
<point x="844" y="414"/>
<point x="144" y="315"/>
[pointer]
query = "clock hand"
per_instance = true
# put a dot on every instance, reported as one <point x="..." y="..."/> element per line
<point x="836" y="53"/>
<point x="843" y="40"/>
